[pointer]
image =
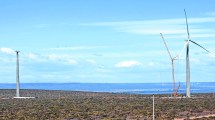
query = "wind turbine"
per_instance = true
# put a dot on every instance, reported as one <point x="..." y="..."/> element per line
<point x="172" y="61"/>
<point x="187" y="58"/>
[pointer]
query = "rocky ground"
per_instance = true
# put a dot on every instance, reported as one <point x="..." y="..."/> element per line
<point x="70" y="105"/>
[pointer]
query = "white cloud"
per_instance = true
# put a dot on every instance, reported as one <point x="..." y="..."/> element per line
<point x="32" y="56"/>
<point x="177" y="22"/>
<point x="7" y="50"/>
<point x="91" y="61"/>
<point x="195" y="35"/>
<point x="72" y="62"/>
<point x="194" y="60"/>
<point x="63" y="57"/>
<point x="127" y="64"/>
<point x="211" y="55"/>
<point x="151" y="64"/>
<point x="167" y="26"/>
<point x="210" y="13"/>
<point x="104" y="70"/>
<point x="77" y="48"/>
<point x="123" y="54"/>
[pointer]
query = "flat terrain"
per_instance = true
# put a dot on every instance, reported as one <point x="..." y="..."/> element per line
<point x="88" y="105"/>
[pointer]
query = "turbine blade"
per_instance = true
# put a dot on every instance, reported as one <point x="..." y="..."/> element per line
<point x="166" y="46"/>
<point x="179" y="55"/>
<point x="199" y="46"/>
<point x="188" y="34"/>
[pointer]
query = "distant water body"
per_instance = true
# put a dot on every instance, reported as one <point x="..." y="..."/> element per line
<point x="134" y="88"/>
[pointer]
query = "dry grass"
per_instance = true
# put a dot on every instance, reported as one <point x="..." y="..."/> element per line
<point x="88" y="105"/>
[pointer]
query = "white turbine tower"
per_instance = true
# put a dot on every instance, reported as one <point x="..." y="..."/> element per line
<point x="17" y="74"/>
<point x="17" y="79"/>
<point x="187" y="58"/>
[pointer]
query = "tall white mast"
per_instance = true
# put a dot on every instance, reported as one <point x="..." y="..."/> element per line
<point x="17" y="79"/>
<point x="17" y="74"/>
<point x="187" y="61"/>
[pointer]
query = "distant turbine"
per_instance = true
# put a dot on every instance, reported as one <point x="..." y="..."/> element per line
<point x="187" y="59"/>
<point x="17" y="74"/>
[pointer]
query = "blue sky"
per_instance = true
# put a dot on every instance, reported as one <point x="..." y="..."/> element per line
<point x="104" y="41"/>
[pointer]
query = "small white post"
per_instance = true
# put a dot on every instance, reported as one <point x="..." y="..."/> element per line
<point x="153" y="114"/>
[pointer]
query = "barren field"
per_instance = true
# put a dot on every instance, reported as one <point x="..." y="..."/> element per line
<point x="71" y="105"/>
